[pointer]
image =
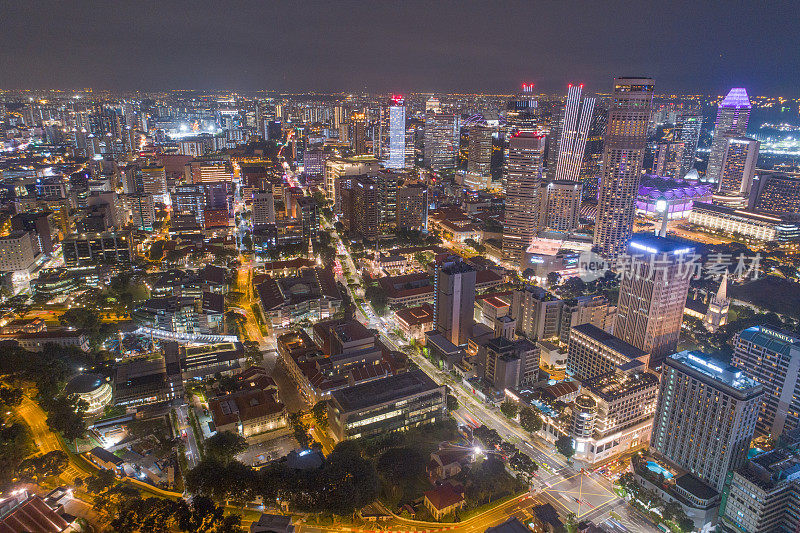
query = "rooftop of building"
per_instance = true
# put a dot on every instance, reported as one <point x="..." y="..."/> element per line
<point x="272" y="522"/>
<point x="383" y="390"/>
<point x="563" y="388"/>
<point x="84" y="384"/>
<point x="441" y="342"/>
<point x="617" y="384"/>
<point x="654" y="244"/>
<point x="740" y="213"/>
<point x="444" y="496"/>
<point x="243" y="405"/>
<point x="33" y="515"/>
<point x="696" y="486"/>
<point x="312" y="283"/>
<point x="407" y="284"/>
<point x="607" y="339"/>
<point x="715" y="369"/>
<point x="774" y="341"/>
<point x="655" y="187"/>
<point x="415" y="316"/>
<point x="736" y="98"/>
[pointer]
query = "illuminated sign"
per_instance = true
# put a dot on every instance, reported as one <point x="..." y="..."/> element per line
<point x="639" y="246"/>
<point x="703" y="362"/>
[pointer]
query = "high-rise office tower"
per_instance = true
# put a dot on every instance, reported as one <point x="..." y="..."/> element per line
<point x="560" y="205"/>
<point x="263" y="209"/>
<point x="574" y="132"/>
<point x="522" y="217"/>
<point x="479" y="158"/>
<point x="624" y="146"/>
<point x="258" y="117"/>
<point x="338" y="171"/>
<point x="668" y="159"/>
<point x="688" y="128"/>
<point x="454" y="299"/>
<point x="433" y="104"/>
<point x="365" y="217"/>
<point x="522" y="110"/>
<point x="359" y="140"/>
<point x="554" y="137"/>
<point x="307" y="215"/>
<point x="652" y="296"/>
<point x="39" y="224"/>
<point x="412" y="206"/>
<point x="190" y="199"/>
<point x="339" y="114"/>
<point x="705" y="416"/>
<point x="81" y="142"/>
<point x="388" y="182"/>
<point x="440" y="140"/>
<point x="776" y="194"/>
<point x="537" y="312"/>
<point x="397" y="133"/>
<point x="154" y="181"/>
<point x="732" y="117"/>
<point x="773" y="359"/>
<point x="738" y="168"/>
<point x="142" y="209"/>
<point x="593" y="154"/>
<point x="131" y="139"/>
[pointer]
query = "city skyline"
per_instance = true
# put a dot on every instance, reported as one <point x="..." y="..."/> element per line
<point x="469" y="267"/>
<point x="401" y="47"/>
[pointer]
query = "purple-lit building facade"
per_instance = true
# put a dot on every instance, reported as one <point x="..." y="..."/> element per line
<point x="679" y="194"/>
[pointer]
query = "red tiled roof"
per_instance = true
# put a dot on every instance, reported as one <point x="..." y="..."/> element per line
<point x="444" y="496"/>
<point x="415" y="316"/>
<point x="487" y="276"/>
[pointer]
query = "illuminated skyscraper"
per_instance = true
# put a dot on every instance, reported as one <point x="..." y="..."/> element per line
<point x="624" y="146"/>
<point x="688" y="128"/>
<point x="397" y="133"/>
<point x="454" y="299"/>
<point x="593" y="153"/>
<point x="522" y="217"/>
<point x="772" y="358"/>
<point x="441" y="140"/>
<point x="522" y="109"/>
<point x="560" y="205"/>
<point x="359" y="140"/>
<point x="479" y="159"/>
<point x="652" y="296"/>
<point x="738" y="168"/>
<point x="776" y="194"/>
<point x="732" y="117"/>
<point x="705" y="416"/>
<point x="574" y="131"/>
<point x="668" y="159"/>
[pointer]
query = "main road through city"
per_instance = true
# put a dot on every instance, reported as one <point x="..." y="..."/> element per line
<point x="569" y="488"/>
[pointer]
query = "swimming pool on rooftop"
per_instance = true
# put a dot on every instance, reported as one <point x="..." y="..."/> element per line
<point x="658" y="469"/>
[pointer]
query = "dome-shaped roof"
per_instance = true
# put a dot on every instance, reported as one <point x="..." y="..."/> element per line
<point x="84" y="383"/>
<point x="692" y="175"/>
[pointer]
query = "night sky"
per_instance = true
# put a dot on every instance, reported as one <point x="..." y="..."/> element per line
<point x="399" y="46"/>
